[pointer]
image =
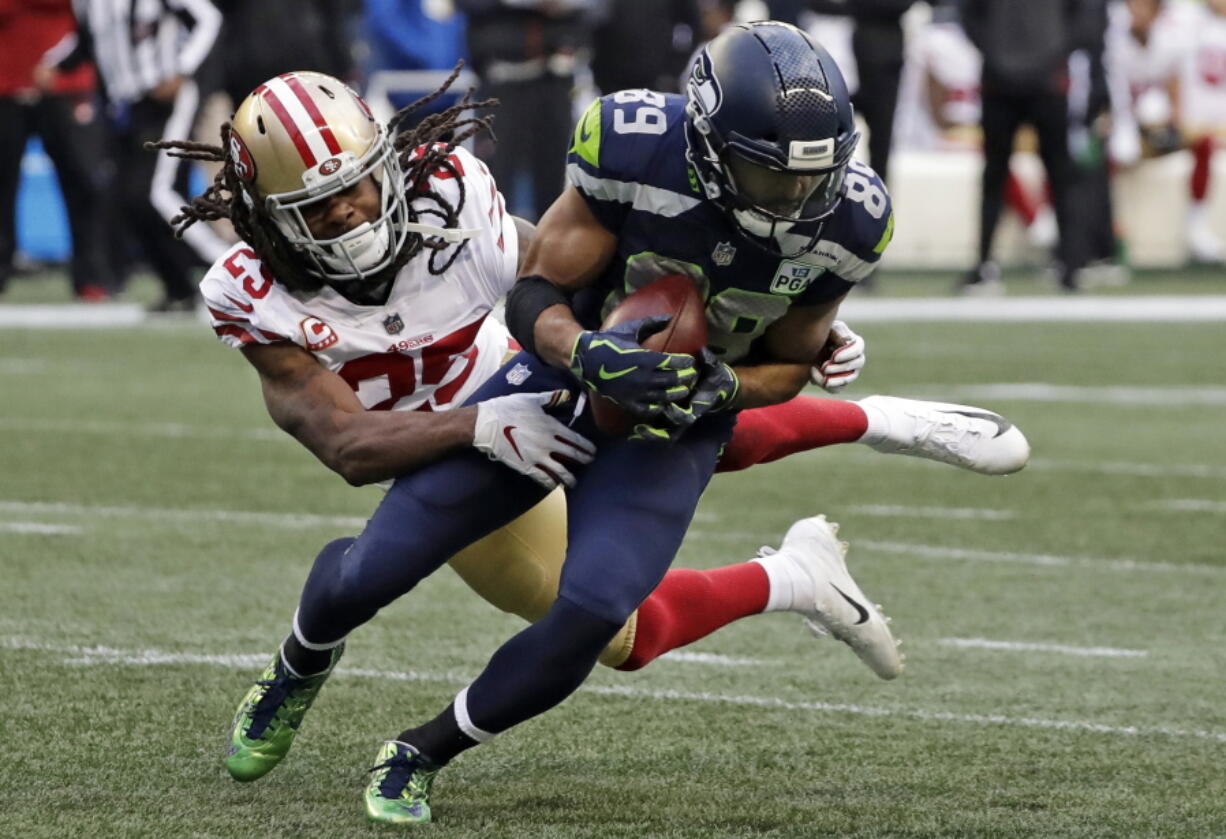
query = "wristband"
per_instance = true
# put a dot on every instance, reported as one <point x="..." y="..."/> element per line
<point x="525" y="302"/>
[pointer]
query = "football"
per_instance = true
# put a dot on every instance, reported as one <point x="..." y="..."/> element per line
<point x="674" y="295"/>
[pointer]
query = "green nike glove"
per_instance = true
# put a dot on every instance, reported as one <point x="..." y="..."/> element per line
<point x="642" y="381"/>
<point x="717" y="387"/>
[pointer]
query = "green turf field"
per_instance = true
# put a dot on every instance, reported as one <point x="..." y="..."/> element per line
<point x="1064" y="626"/>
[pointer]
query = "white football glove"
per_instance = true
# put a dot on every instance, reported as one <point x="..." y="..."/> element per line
<point x="845" y="363"/>
<point x="516" y="431"/>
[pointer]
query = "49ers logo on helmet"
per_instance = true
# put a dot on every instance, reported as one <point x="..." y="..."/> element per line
<point x="244" y="163"/>
<point x="329" y="166"/>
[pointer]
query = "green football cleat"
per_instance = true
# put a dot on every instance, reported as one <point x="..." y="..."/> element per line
<point x="399" y="791"/>
<point x="269" y="716"/>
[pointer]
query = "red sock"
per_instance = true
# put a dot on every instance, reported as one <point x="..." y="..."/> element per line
<point x="1019" y="201"/>
<point x="689" y="604"/>
<point x="1202" y="157"/>
<point x="803" y="423"/>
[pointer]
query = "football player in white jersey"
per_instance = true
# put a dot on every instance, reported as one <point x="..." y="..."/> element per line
<point x="1166" y="96"/>
<point x="361" y="293"/>
<point x="1203" y="115"/>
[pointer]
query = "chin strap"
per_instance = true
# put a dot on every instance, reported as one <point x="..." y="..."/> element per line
<point x="453" y="235"/>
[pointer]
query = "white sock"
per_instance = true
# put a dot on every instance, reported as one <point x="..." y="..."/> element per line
<point x="285" y="663"/>
<point x="1198" y="214"/>
<point x="878" y="424"/>
<point x="465" y="722"/>
<point x="785" y="579"/>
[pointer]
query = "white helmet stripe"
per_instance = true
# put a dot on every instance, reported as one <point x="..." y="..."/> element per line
<point x="304" y="130"/>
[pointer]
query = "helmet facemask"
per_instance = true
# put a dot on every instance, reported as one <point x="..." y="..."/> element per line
<point x="358" y="256"/>
<point x="766" y="201"/>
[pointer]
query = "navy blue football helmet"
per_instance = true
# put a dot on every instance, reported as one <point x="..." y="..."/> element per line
<point x="769" y="129"/>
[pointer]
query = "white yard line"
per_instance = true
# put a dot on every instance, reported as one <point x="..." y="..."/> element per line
<point x="1041" y="560"/>
<point x="1131" y="469"/>
<point x="174" y="430"/>
<point x="1029" y="647"/>
<point x="37" y="527"/>
<point x="293" y="521"/>
<point x="1096" y="395"/>
<point x="23" y="366"/>
<point x="1136" y="308"/>
<point x="108" y="656"/>
<point x="72" y="315"/>
<point x="862" y="454"/>
<point x="901" y="511"/>
<point x="1155" y="308"/>
<point x="713" y="658"/>
<point x="289" y="521"/>
<point x="1189" y="505"/>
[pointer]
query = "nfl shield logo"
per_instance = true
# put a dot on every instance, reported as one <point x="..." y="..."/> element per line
<point x="393" y="324"/>
<point x="723" y="254"/>
<point x="518" y="374"/>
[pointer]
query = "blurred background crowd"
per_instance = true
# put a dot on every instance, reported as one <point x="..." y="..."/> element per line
<point x="1077" y="132"/>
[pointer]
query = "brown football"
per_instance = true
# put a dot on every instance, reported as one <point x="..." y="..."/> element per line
<point x="674" y="295"/>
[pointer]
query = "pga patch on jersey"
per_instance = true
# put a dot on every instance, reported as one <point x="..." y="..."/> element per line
<point x="794" y="276"/>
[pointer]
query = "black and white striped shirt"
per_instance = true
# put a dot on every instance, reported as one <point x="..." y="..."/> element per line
<point x="138" y="44"/>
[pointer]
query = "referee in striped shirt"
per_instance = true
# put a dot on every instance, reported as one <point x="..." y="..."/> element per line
<point x="147" y="52"/>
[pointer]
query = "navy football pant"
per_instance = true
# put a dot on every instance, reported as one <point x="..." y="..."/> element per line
<point x="626" y="519"/>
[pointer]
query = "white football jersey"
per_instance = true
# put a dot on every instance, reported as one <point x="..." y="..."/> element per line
<point x="942" y="51"/>
<point x="429" y="347"/>
<point x="1204" y="79"/>
<point x="1145" y="69"/>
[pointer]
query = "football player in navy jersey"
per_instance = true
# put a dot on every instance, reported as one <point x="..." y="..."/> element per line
<point x="744" y="185"/>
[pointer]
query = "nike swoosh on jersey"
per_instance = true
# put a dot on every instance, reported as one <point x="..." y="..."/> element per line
<point x="585" y="133"/>
<point x="1002" y="424"/>
<point x="606" y="375"/>
<point x="860" y="610"/>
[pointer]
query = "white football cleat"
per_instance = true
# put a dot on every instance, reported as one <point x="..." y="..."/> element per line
<point x="809" y="575"/>
<point x="960" y="435"/>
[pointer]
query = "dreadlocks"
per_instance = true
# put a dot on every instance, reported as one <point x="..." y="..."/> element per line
<point x="422" y="151"/>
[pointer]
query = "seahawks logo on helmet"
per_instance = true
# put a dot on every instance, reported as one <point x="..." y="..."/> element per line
<point x="704" y="87"/>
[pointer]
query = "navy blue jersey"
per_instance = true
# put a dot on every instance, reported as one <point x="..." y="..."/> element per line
<point x="628" y="161"/>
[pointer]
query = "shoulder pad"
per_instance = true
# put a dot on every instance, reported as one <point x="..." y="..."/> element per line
<point x="868" y="213"/>
<point x="621" y="135"/>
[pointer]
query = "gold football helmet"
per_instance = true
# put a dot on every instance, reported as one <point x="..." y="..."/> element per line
<point x="302" y="137"/>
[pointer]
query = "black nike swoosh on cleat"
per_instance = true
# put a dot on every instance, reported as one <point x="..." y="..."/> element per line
<point x="1000" y="422"/>
<point x="859" y="609"/>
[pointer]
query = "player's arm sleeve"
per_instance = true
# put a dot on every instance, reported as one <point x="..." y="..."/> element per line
<point x="233" y="315"/>
<point x="592" y="167"/>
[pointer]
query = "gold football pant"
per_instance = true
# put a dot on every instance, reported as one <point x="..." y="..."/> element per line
<point x="519" y="568"/>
